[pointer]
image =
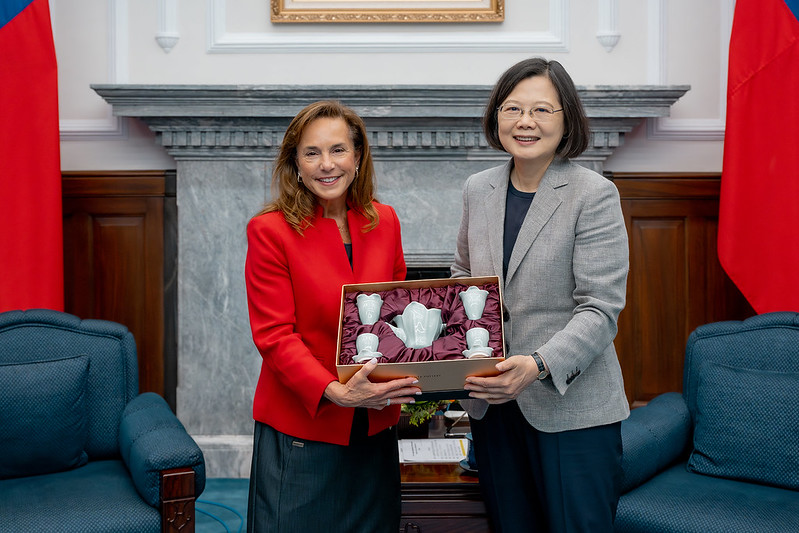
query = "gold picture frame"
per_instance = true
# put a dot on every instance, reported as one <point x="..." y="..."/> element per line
<point x="386" y="11"/>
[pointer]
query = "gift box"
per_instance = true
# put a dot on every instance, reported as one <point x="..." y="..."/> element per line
<point x="431" y="329"/>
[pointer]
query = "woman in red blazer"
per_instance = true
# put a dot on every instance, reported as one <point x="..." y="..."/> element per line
<point x="325" y="453"/>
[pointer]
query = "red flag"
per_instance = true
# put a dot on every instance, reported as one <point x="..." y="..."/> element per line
<point x="31" y="238"/>
<point x="758" y="241"/>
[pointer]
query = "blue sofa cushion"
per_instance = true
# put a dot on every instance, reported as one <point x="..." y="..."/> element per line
<point x="98" y="497"/>
<point x="746" y="424"/>
<point x="43" y="425"/>
<point x="679" y="501"/>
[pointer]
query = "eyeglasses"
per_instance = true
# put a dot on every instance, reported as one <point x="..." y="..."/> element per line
<point x="539" y="113"/>
<point x="312" y="155"/>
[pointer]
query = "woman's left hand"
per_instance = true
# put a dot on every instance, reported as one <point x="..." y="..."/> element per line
<point x="518" y="372"/>
<point x="360" y="392"/>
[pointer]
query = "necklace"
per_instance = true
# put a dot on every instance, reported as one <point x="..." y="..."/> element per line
<point x="344" y="230"/>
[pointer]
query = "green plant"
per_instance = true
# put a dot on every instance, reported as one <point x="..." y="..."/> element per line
<point x="421" y="412"/>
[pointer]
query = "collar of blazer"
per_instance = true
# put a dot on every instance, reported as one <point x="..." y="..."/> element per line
<point x="353" y="213"/>
<point x="547" y="199"/>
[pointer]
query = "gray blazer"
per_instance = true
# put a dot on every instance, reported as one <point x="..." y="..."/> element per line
<point x="565" y="287"/>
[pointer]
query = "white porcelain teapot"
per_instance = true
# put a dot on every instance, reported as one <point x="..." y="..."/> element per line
<point x="418" y="326"/>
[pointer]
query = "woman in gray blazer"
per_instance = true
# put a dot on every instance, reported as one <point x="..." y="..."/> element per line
<point x="547" y="429"/>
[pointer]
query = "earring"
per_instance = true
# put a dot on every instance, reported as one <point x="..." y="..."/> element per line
<point x="299" y="178"/>
<point x="356" y="170"/>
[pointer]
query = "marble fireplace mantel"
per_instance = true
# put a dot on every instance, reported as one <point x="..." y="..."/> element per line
<point x="425" y="139"/>
<point x="426" y="121"/>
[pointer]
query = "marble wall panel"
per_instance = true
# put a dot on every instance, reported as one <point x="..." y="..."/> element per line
<point x="217" y="360"/>
<point x="427" y="197"/>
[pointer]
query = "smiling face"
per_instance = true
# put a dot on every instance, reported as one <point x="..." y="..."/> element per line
<point x="528" y="140"/>
<point x="327" y="160"/>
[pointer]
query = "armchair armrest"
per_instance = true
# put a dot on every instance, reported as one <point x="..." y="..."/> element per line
<point x="653" y="437"/>
<point x="152" y="439"/>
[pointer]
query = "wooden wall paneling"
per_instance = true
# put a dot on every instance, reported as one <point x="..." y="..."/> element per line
<point x="676" y="282"/>
<point x="657" y="253"/>
<point x="662" y="294"/>
<point x="114" y="258"/>
<point x="723" y="300"/>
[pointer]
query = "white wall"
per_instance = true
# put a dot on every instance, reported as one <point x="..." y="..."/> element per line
<point x="233" y="42"/>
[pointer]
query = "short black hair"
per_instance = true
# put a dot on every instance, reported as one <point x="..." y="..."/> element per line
<point x="576" y="131"/>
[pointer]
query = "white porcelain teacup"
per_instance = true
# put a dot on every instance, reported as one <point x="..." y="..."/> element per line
<point x="369" y="308"/>
<point x="477" y="342"/>
<point x="474" y="301"/>
<point x="477" y="337"/>
<point x="366" y="345"/>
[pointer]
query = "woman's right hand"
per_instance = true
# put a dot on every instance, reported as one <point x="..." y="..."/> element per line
<point x="360" y="392"/>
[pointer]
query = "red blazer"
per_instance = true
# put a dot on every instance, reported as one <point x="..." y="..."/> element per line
<point x="294" y="295"/>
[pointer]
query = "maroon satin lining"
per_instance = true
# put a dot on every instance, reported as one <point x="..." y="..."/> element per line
<point x="449" y="345"/>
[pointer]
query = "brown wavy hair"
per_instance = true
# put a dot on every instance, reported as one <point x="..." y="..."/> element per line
<point x="294" y="200"/>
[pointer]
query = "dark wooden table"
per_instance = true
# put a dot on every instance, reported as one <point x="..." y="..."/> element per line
<point x="441" y="498"/>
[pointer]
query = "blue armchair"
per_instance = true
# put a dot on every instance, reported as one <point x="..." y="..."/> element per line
<point x="723" y="455"/>
<point x="80" y="449"/>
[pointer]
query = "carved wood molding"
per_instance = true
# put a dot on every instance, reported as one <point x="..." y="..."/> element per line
<point x="177" y="500"/>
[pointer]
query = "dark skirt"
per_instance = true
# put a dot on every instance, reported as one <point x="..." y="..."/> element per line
<point x="305" y="486"/>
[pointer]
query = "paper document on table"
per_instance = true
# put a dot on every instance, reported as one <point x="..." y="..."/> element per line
<point x="432" y="450"/>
